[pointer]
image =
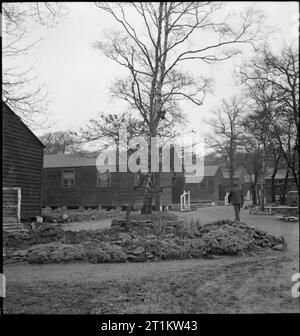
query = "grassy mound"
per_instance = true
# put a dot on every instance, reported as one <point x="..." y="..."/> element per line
<point x="142" y="244"/>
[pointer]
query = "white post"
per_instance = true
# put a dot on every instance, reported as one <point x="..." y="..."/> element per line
<point x="226" y="199"/>
<point x="248" y="195"/>
<point x="19" y="205"/>
<point x="181" y="203"/>
<point x="185" y="201"/>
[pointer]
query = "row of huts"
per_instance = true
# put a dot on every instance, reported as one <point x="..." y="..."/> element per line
<point x="32" y="180"/>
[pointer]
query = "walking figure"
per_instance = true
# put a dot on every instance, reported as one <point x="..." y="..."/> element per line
<point x="236" y="198"/>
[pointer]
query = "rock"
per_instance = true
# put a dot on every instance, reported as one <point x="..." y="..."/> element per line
<point x="138" y="250"/>
<point x="278" y="247"/>
<point x="149" y="255"/>
<point x="123" y="236"/>
<point x="151" y="236"/>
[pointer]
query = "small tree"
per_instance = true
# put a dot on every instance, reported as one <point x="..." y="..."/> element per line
<point x="227" y="131"/>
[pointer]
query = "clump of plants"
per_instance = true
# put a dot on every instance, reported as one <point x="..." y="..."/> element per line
<point x="155" y="242"/>
<point x="55" y="253"/>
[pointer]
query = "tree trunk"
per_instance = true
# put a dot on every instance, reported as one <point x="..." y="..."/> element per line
<point x="263" y="179"/>
<point x="157" y="194"/>
<point x="273" y="189"/>
<point x="284" y="188"/>
<point x="231" y="168"/>
<point x="147" y="205"/>
<point x="296" y="177"/>
<point x="253" y="193"/>
<point x="128" y="213"/>
<point x="257" y="194"/>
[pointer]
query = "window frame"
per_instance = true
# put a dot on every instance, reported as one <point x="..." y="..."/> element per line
<point x="99" y="180"/>
<point x="62" y="178"/>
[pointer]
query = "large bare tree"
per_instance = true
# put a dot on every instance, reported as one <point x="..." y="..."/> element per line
<point x="154" y="43"/>
<point x="273" y="84"/>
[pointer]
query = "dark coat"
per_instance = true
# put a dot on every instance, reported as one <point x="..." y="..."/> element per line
<point x="235" y="196"/>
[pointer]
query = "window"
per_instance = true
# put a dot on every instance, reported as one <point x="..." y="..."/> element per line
<point x="68" y="178"/>
<point x="203" y="184"/>
<point x="104" y="179"/>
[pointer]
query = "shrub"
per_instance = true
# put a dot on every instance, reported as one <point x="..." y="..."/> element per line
<point x="55" y="253"/>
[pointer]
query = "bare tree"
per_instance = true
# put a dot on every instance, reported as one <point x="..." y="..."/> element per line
<point x="273" y="84"/>
<point x="60" y="142"/>
<point x="106" y="127"/>
<point x="21" y="89"/>
<point x="227" y="131"/>
<point x="156" y="41"/>
<point x="250" y="158"/>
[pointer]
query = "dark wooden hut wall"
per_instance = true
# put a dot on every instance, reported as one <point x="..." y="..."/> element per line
<point x="22" y="162"/>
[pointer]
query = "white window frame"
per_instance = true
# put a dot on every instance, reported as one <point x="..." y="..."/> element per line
<point x="72" y="185"/>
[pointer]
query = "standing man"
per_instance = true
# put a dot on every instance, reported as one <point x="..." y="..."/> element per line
<point x="236" y="198"/>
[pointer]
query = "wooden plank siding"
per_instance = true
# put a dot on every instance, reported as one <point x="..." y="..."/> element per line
<point x="214" y="191"/>
<point x="22" y="162"/>
<point x="86" y="192"/>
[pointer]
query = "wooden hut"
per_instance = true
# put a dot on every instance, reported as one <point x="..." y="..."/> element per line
<point x="210" y="189"/>
<point x="22" y="164"/>
<point x="74" y="181"/>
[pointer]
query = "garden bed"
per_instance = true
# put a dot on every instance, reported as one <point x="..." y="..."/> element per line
<point x="140" y="243"/>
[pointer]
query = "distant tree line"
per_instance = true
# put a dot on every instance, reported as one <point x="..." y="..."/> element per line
<point x="259" y="130"/>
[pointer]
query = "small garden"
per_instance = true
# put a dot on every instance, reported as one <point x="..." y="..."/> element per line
<point x="150" y="238"/>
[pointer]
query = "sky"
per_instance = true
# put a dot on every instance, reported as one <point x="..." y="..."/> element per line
<point x="78" y="77"/>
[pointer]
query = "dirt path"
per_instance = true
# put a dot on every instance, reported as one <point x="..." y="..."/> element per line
<point x="258" y="284"/>
<point x="128" y="271"/>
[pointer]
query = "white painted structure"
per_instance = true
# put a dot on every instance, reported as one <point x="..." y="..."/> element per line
<point x="248" y="197"/>
<point x="226" y="199"/>
<point x="185" y="201"/>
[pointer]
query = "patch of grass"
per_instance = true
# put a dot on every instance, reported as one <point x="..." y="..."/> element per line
<point x="247" y="286"/>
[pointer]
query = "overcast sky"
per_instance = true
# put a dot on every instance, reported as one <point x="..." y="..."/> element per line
<point x="78" y="77"/>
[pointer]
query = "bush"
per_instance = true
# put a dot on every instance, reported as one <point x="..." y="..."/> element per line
<point x="116" y="245"/>
<point x="104" y="252"/>
<point x="55" y="253"/>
